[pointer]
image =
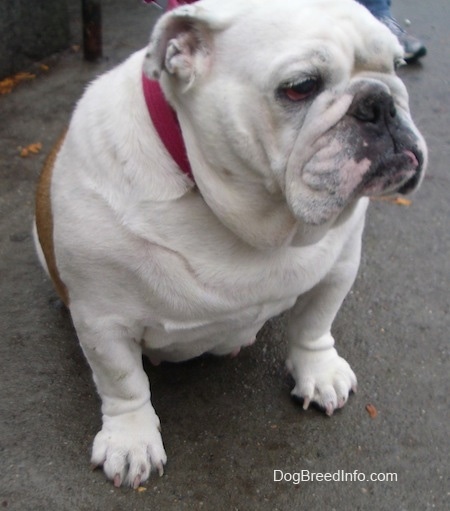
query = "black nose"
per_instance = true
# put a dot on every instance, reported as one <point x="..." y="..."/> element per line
<point x="373" y="107"/>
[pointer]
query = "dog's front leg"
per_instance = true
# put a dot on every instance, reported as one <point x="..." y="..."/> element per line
<point x="320" y="374"/>
<point x="129" y="444"/>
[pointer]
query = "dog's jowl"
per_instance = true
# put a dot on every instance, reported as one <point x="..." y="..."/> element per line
<point x="213" y="180"/>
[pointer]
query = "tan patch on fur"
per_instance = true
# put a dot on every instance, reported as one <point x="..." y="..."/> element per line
<point x="44" y="220"/>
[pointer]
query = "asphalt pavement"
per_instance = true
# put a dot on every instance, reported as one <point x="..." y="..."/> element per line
<point x="229" y="425"/>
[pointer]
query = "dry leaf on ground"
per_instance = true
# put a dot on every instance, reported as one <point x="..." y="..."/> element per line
<point x="400" y="201"/>
<point x="8" y="84"/>
<point x="371" y="410"/>
<point x="30" y="149"/>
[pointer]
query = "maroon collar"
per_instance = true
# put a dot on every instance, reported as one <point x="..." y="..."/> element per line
<point x="166" y="123"/>
<point x="163" y="116"/>
<point x="170" y="4"/>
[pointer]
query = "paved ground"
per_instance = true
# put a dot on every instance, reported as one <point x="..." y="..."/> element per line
<point x="228" y="424"/>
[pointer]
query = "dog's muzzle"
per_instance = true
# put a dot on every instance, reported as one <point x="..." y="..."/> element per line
<point x="388" y="141"/>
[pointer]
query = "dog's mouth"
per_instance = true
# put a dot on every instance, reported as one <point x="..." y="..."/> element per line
<point x="396" y="173"/>
<point x="414" y="180"/>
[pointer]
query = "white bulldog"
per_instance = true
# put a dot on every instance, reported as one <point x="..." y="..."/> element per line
<point x="292" y="115"/>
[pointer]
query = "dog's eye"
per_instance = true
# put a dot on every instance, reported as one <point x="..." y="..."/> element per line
<point x="302" y="90"/>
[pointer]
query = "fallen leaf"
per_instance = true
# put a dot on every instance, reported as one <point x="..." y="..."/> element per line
<point x="141" y="489"/>
<point x="371" y="410"/>
<point x="21" y="77"/>
<point x="31" y="149"/>
<point x="8" y="84"/>
<point x="400" y="201"/>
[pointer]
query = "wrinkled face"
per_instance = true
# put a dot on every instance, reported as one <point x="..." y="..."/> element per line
<point x="301" y="97"/>
<point x="324" y="102"/>
<point x="370" y="148"/>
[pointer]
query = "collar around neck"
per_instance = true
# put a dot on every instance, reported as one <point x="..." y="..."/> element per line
<point x="163" y="116"/>
<point x="166" y="124"/>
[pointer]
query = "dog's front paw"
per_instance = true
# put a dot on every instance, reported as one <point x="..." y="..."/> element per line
<point x="129" y="447"/>
<point x="322" y="377"/>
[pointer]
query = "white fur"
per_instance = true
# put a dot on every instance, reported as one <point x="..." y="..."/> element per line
<point x="153" y="263"/>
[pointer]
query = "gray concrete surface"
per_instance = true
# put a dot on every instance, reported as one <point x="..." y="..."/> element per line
<point x="229" y="423"/>
<point x="31" y="30"/>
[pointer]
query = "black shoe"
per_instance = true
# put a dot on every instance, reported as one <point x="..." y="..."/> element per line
<point x="414" y="48"/>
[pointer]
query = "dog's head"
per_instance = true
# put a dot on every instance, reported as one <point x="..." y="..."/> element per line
<point x="290" y="102"/>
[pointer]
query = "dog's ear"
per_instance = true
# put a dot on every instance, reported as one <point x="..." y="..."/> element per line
<point x="182" y="43"/>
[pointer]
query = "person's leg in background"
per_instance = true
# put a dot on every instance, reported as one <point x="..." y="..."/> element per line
<point x="381" y="9"/>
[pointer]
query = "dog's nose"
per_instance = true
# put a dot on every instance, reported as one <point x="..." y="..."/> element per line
<point x="373" y="107"/>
